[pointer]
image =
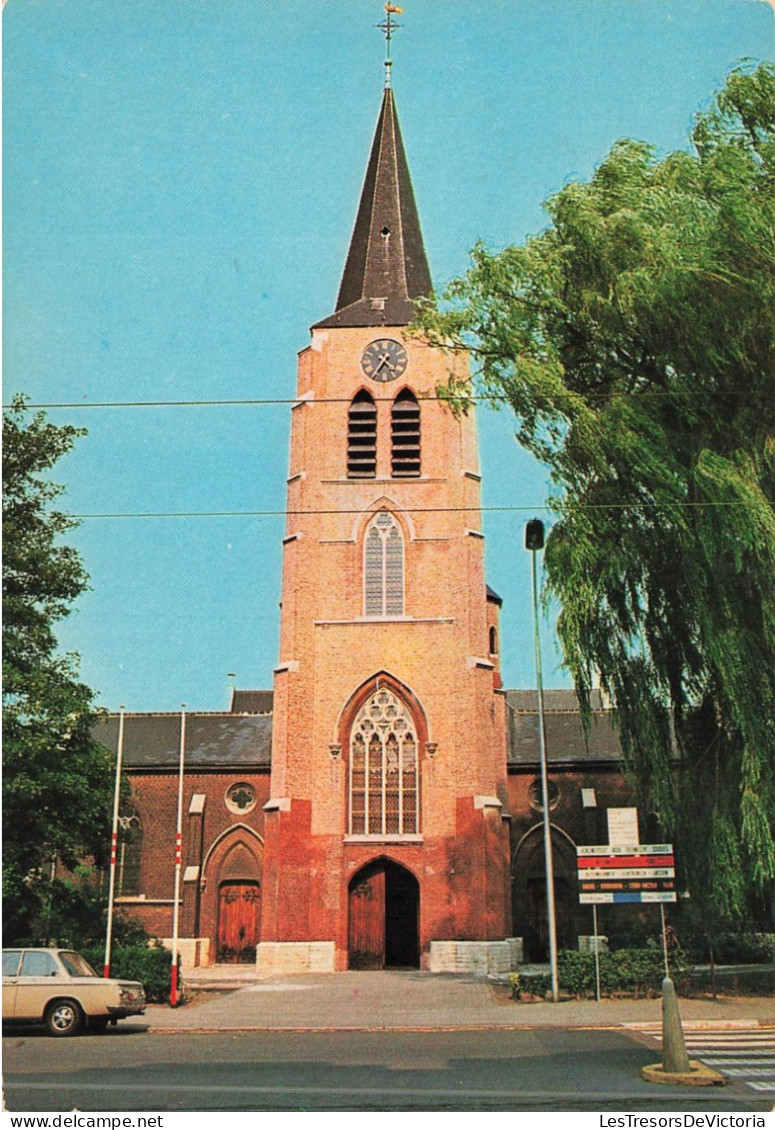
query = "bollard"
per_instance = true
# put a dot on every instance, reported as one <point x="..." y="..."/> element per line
<point x="674" y="1057"/>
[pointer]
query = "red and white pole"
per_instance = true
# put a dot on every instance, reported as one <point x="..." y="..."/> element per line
<point x="178" y="862"/>
<point x="114" y="842"/>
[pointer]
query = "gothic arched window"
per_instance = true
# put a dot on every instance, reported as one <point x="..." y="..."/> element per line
<point x="405" y="436"/>
<point x="384" y="780"/>
<point x="383" y="567"/>
<point x="362" y="437"/>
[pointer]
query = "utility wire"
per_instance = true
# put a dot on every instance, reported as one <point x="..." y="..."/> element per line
<point x="405" y="509"/>
<point x="250" y="402"/>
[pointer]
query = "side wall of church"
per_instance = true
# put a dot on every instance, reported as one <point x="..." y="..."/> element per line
<point x="221" y="842"/>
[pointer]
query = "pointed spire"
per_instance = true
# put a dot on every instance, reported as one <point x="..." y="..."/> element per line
<point x="386" y="266"/>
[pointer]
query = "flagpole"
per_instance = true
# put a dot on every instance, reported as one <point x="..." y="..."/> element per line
<point x="114" y="842"/>
<point x="178" y="862"/>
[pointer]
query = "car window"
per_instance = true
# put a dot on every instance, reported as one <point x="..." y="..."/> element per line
<point x="76" y="965"/>
<point x="36" y="964"/>
<point x="11" y="962"/>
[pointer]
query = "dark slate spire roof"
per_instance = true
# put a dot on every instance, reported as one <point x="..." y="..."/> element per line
<point x="386" y="265"/>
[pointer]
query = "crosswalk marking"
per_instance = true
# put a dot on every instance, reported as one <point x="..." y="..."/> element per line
<point x="745" y="1053"/>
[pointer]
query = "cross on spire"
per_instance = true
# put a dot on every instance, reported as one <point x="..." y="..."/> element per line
<point x="387" y="27"/>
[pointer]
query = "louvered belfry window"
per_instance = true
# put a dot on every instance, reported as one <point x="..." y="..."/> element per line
<point x="405" y="436"/>
<point x="384" y="778"/>
<point x="383" y="567"/>
<point x="362" y="438"/>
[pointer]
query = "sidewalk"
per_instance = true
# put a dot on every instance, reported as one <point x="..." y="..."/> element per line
<point x="399" y="999"/>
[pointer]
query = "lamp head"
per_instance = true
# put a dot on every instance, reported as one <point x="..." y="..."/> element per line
<point x="534" y="534"/>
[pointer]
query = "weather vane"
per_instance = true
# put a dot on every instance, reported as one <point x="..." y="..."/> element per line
<point x="387" y="27"/>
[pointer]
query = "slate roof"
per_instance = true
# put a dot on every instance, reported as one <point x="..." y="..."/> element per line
<point x="386" y="266"/>
<point x="566" y="741"/>
<point x="242" y="738"/>
<point x="213" y="741"/>
<point x="251" y="702"/>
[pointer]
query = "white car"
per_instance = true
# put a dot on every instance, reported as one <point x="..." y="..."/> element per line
<point x="59" y="988"/>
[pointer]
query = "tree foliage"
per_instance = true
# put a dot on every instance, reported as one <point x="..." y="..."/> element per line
<point x="634" y="339"/>
<point x="57" y="782"/>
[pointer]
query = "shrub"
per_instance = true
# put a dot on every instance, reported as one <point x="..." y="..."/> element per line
<point x="637" y="971"/>
<point x="147" y="964"/>
<point x="744" y="948"/>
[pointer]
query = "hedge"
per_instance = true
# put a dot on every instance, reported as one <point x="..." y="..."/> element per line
<point x="636" y="971"/>
<point x="148" y="964"/>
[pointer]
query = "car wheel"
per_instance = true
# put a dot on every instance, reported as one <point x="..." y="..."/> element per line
<point x="63" y="1018"/>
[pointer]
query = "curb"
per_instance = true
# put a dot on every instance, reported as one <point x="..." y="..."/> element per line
<point x="698" y="1075"/>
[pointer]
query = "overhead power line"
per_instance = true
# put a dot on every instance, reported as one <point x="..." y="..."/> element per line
<point x="262" y="401"/>
<point x="405" y="509"/>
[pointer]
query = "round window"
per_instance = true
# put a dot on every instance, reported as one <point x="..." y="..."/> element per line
<point x="534" y="795"/>
<point x="241" y="798"/>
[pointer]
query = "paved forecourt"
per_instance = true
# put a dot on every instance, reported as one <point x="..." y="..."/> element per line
<point x="414" y="1000"/>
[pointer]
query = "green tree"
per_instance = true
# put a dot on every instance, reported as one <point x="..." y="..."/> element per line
<point x="634" y="339"/>
<point x="57" y="782"/>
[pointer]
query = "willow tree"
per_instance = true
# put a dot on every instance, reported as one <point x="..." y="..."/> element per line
<point x="633" y="339"/>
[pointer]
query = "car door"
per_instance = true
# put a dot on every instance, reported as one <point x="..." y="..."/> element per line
<point x="11" y="959"/>
<point x="38" y="973"/>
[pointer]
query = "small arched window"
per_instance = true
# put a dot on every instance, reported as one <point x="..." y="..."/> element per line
<point x="362" y="437"/>
<point x="493" y="642"/>
<point x="130" y="848"/>
<point x="405" y="436"/>
<point x="383" y="567"/>
<point x="384" y="774"/>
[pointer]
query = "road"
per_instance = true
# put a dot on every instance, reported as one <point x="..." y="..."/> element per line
<point x="133" y="1070"/>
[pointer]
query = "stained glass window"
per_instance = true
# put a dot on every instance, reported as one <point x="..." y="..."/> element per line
<point x="384" y="779"/>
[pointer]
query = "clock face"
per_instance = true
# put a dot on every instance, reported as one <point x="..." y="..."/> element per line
<point x="384" y="359"/>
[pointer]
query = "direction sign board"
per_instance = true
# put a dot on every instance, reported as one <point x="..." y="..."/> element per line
<point x="610" y="873"/>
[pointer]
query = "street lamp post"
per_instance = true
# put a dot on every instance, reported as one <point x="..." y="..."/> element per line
<point x="534" y="542"/>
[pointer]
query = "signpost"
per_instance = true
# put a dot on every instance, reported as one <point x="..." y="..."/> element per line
<point x="626" y="873"/>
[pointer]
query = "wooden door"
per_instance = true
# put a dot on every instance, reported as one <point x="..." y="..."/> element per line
<point x="367" y="918"/>
<point x="239" y="921"/>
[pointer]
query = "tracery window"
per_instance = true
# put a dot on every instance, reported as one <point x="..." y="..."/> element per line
<point x="384" y="777"/>
<point x="405" y="436"/>
<point x="130" y="847"/>
<point x="362" y="437"/>
<point x="383" y="567"/>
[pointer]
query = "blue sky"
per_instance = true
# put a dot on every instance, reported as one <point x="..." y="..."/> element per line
<point x="180" y="184"/>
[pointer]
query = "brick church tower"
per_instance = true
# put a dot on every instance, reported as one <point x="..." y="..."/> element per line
<point x="386" y="833"/>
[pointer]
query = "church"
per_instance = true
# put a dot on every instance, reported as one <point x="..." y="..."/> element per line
<point x="381" y="805"/>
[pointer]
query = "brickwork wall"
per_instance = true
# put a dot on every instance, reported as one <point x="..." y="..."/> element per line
<point x="208" y="840"/>
<point x="573" y="825"/>
<point x="439" y="650"/>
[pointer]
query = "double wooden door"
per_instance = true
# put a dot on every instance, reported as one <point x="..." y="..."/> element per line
<point x="239" y="921"/>
<point x="383" y="917"/>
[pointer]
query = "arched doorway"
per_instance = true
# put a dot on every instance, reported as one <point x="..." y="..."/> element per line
<point x="529" y="891"/>
<point x="384" y="917"/>
<point x="232" y="902"/>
